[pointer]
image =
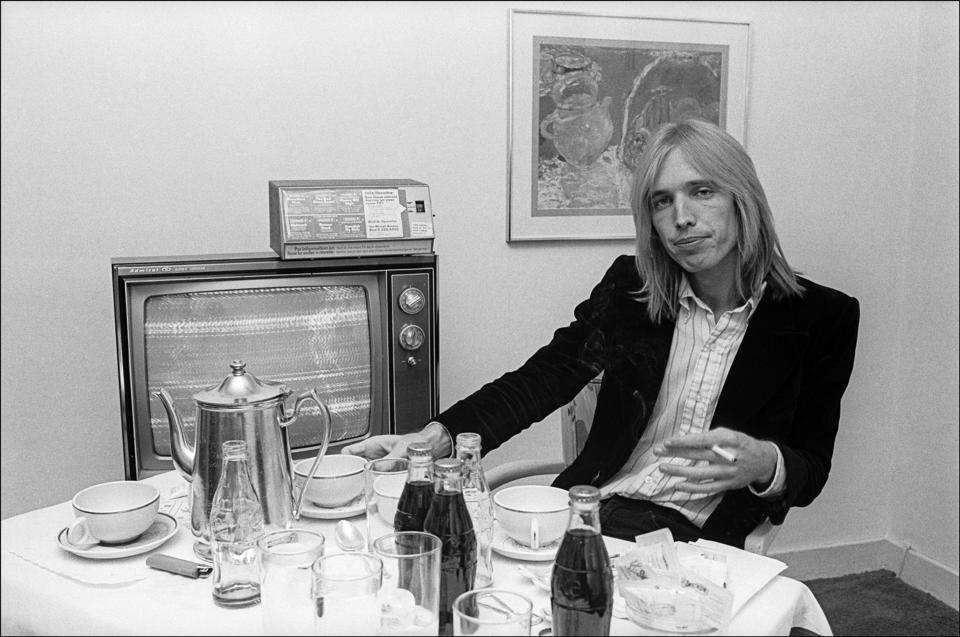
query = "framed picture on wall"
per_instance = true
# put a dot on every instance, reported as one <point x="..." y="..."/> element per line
<point x="586" y="93"/>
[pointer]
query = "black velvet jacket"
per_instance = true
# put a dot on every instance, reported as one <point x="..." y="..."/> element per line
<point x="785" y="385"/>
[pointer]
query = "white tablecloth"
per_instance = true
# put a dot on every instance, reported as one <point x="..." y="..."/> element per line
<point x="47" y="591"/>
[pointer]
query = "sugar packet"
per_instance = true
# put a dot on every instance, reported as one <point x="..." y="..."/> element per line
<point x="652" y="553"/>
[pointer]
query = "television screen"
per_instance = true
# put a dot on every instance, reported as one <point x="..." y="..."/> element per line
<point x="301" y="337"/>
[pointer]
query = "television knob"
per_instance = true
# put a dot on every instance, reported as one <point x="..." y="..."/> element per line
<point x="411" y="337"/>
<point x="412" y="300"/>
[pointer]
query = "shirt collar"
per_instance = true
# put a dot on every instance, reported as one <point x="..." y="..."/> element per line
<point x="687" y="296"/>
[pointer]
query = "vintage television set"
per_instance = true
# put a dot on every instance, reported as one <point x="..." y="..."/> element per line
<point x="361" y="330"/>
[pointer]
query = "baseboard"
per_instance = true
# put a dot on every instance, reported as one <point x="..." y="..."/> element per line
<point x="913" y="568"/>
<point x="931" y="577"/>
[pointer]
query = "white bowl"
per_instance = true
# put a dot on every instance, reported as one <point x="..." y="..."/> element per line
<point x="337" y="482"/>
<point x="113" y="512"/>
<point x="387" y="490"/>
<point x="517" y="507"/>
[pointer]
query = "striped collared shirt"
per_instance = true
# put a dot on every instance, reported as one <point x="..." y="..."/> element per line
<point x="701" y="353"/>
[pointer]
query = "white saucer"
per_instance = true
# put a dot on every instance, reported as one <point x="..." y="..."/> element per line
<point x="508" y="547"/>
<point x="162" y="529"/>
<point x="311" y="510"/>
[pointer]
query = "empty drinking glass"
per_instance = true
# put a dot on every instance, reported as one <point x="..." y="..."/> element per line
<point x="410" y="596"/>
<point x="346" y="590"/>
<point x="286" y="557"/>
<point x="492" y="611"/>
<point x="383" y="482"/>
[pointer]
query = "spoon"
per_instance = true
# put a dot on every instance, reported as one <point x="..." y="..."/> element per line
<point x="540" y="579"/>
<point x="348" y="536"/>
<point x="505" y="610"/>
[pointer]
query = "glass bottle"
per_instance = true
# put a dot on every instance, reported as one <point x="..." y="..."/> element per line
<point x="448" y="519"/>
<point x="418" y="490"/>
<point x="414" y="503"/>
<point x="236" y="523"/>
<point x="581" y="587"/>
<point x="476" y="494"/>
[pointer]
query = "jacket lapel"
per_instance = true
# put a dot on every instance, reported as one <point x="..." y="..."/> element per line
<point x="770" y="350"/>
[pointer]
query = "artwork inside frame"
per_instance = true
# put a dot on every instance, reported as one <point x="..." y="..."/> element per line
<point x="586" y="93"/>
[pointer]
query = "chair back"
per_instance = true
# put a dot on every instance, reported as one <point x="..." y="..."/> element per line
<point x="577" y="417"/>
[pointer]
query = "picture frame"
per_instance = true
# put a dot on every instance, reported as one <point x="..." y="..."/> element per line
<point x="585" y="93"/>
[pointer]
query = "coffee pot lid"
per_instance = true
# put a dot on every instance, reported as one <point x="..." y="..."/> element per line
<point x="240" y="388"/>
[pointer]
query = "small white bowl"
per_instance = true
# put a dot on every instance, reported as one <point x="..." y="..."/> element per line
<point x="113" y="512"/>
<point x="337" y="482"/>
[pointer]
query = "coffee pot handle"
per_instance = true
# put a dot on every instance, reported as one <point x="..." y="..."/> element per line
<point x="327" y="426"/>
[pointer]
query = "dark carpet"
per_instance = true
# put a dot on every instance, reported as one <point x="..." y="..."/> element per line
<point x="879" y="603"/>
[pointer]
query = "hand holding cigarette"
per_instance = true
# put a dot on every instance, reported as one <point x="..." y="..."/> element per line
<point x="723" y="453"/>
<point x="728" y="460"/>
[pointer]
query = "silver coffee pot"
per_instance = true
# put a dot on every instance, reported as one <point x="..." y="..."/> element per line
<point x="241" y="408"/>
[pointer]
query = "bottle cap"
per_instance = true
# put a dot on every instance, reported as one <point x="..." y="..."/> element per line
<point x="420" y="449"/>
<point x="584" y="493"/>
<point x="446" y="466"/>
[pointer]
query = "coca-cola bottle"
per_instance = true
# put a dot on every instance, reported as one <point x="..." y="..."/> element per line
<point x="581" y="587"/>
<point x="418" y="490"/>
<point x="412" y="508"/>
<point x="236" y="523"/>
<point x="449" y="519"/>
<point x="476" y="494"/>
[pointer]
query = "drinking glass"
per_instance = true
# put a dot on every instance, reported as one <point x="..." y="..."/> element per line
<point x="383" y="481"/>
<point x="492" y="611"/>
<point x="346" y="588"/>
<point x="410" y="595"/>
<point x="285" y="581"/>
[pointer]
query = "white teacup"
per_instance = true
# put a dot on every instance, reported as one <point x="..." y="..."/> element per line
<point x="337" y="482"/>
<point x="113" y="513"/>
<point x="531" y="514"/>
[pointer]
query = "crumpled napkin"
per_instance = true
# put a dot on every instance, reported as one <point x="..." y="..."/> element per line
<point x="747" y="572"/>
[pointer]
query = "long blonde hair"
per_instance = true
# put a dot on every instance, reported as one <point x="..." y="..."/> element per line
<point x="720" y="158"/>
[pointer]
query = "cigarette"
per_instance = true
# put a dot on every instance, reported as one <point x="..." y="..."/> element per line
<point x="723" y="453"/>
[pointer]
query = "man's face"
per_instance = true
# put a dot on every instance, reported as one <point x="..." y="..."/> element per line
<point x="695" y="221"/>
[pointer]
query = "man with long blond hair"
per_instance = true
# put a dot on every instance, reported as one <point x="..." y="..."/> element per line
<point x="723" y="369"/>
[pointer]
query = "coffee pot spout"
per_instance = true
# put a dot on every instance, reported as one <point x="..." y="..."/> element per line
<point x="182" y="451"/>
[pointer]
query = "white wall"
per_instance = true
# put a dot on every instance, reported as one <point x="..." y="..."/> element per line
<point x="134" y="129"/>
<point x="924" y="434"/>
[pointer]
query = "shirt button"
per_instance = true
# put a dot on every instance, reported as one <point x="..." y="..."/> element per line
<point x="648" y="480"/>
